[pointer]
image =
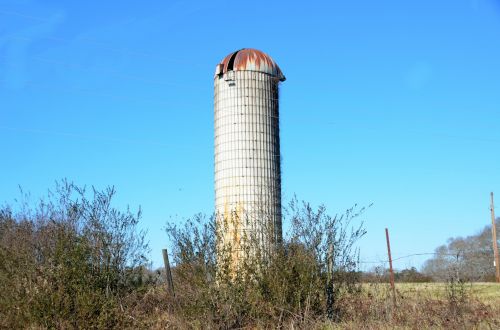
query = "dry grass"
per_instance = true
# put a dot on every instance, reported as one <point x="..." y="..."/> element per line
<point x="419" y="306"/>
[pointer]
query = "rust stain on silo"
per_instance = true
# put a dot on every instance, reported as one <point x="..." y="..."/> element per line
<point x="233" y="227"/>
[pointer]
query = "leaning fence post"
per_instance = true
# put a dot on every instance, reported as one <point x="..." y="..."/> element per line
<point x="168" y="273"/>
<point x="390" y="268"/>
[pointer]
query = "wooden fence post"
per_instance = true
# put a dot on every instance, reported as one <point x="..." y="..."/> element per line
<point x="168" y="273"/>
<point x="390" y="268"/>
<point x="329" y="284"/>
<point x="496" y="261"/>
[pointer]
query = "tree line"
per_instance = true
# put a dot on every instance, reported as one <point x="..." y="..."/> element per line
<point x="468" y="258"/>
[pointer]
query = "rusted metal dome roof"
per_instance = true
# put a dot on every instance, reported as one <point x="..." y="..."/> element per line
<point x="249" y="59"/>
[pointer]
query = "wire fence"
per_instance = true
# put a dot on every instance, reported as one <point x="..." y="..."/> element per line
<point x="404" y="257"/>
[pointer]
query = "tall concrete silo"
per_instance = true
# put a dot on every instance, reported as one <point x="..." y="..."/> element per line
<point x="247" y="153"/>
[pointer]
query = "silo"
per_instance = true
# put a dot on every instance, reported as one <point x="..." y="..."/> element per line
<point x="247" y="153"/>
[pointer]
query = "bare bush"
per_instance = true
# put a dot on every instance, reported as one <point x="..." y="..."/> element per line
<point x="469" y="257"/>
<point x="288" y="285"/>
<point x="68" y="261"/>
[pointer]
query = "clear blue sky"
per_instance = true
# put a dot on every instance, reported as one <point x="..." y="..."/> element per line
<point x="391" y="102"/>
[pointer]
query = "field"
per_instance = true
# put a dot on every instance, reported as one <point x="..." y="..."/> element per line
<point x="423" y="306"/>
<point x="487" y="293"/>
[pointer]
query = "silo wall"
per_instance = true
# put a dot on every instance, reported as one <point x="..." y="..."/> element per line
<point x="247" y="162"/>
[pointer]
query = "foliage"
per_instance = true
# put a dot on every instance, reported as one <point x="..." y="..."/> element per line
<point x="75" y="261"/>
<point x="289" y="284"/>
<point x="68" y="261"/>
